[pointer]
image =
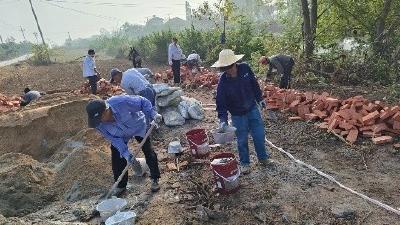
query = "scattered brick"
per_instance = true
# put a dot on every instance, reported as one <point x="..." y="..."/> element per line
<point x="311" y="116"/>
<point x="352" y="136"/>
<point x="370" y="117"/>
<point x="293" y="118"/>
<point x="382" y="140"/>
<point x="379" y="127"/>
<point x="397" y="145"/>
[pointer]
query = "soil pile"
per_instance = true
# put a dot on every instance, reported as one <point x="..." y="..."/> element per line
<point x="84" y="172"/>
<point x="24" y="184"/>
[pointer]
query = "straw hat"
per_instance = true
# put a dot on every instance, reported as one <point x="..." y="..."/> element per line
<point x="227" y="57"/>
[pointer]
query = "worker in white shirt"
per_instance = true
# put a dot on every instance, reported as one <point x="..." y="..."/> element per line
<point x="174" y="59"/>
<point x="89" y="70"/>
<point x="193" y="61"/>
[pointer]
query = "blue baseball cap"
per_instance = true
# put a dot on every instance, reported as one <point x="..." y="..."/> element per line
<point x="95" y="109"/>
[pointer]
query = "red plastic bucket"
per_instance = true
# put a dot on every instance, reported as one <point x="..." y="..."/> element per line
<point x="226" y="172"/>
<point x="198" y="142"/>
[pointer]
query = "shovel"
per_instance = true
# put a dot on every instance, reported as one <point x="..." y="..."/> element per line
<point x="104" y="197"/>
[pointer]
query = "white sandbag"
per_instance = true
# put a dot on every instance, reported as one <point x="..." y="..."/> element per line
<point x="183" y="108"/>
<point x="160" y="87"/>
<point x="168" y="91"/>
<point x="196" y="111"/>
<point x="172" y="99"/>
<point x="172" y="117"/>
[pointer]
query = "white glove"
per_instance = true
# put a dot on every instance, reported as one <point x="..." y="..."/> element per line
<point x="158" y="118"/>
<point x="170" y="63"/>
<point x="262" y="104"/>
<point x="222" y="127"/>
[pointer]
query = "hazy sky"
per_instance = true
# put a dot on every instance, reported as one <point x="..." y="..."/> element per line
<point x="58" y="17"/>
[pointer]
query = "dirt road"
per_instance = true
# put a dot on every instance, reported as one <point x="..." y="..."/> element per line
<point x="15" y="60"/>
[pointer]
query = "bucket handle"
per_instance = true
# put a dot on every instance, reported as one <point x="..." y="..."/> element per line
<point x="208" y="141"/>
<point x="235" y="176"/>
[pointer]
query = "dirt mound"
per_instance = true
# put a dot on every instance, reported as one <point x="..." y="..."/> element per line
<point x="24" y="184"/>
<point x="83" y="173"/>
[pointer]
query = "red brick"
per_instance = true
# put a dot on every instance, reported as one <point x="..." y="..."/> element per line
<point x="345" y="106"/>
<point x="309" y="96"/>
<point x="364" y="112"/>
<point x="333" y="124"/>
<point x="379" y="127"/>
<point x="397" y="132"/>
<point x="396" y="117"/>
<point x="397" y="145"/>
<point x="345" y="125"/>
<point x="382" y="140"/>
<point x="371" y="134"/>
<point x="333" y="101"/>
<point x="345" y="114"/>
<point x="311" y="116"/>
<point x="367" y="128"/>
<point x="396" y="125"/>
<point x="337" y="131"/>
<point x="386" y="114"/>
<point x="323" y="125"/>
<point x="302" y="110"/>
<point x="370" y="117"/>
<point x="320" y="114"/>
<point x="352" y="136"/>
<point x="344" y="133"/>
<point x="292" y="118"/>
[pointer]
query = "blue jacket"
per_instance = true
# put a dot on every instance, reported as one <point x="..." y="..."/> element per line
<point x="237" y="95"/>
<point x="130" y="113"/>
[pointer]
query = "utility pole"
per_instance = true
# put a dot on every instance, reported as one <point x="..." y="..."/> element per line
<point x="37" y="23"/>
<point x="1" y="39"/>
<point x="36" y="36"/>
<point x="23" y="33"/>
<point x="69" y="35"/>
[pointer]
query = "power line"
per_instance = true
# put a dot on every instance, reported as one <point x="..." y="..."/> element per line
<point x="79" y="11"/>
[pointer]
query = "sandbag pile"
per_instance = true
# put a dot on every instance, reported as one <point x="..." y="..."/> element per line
<point x="204" y="79"/>
<point x="176" y="108"/>
<point x="350" y="118"/>
<point x="103" y="87"/>
<point x="9" y="103"/>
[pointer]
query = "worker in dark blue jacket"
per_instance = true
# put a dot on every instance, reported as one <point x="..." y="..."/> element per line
<point x="239" y="94"/>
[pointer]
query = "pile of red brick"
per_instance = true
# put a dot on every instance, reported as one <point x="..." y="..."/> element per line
<point x="204" y="78"/>
<point x="348" y="118"/>
<point x="103" y="87"/>
<point x="9" y="103"/>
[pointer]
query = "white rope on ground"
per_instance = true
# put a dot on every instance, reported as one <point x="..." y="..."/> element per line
<point x="376" y="202"/>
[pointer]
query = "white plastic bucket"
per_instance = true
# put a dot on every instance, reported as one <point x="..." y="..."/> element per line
<point x="109" y="207"/>
<point x="122" y="218"/>
<point x="145" y="167"/>
<point x="225" y="137"/>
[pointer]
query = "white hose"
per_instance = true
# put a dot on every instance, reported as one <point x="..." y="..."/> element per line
<point x="376" y="202"/>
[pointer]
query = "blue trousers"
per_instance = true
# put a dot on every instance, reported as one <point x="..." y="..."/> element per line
<point x="250" y="123"/>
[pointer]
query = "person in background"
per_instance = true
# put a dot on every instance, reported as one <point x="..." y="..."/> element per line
<point x="174" y="59"/>
<point x="135" y="57"/>
<point x="30" y="96"/>
<point x="239" y="93"/>
<point x="90" y="71"/>
<point x="118" y="119"/>
<point x="283" y="64"/>
<point x="134" y="83"/>
<point x="193" y="61"/>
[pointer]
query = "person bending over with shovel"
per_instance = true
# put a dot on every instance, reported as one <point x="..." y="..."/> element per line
<point x="119" y="119"/>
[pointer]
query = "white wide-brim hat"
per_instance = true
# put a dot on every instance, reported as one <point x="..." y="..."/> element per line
<point x="227" y="57"/>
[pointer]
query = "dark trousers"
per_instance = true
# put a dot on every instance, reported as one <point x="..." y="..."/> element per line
<point x="119" y="163"/>
<point x="176" y="70"/>
<point x="93" y="83"/>
<point x="287" y="76"/>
